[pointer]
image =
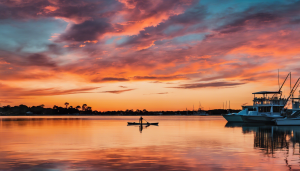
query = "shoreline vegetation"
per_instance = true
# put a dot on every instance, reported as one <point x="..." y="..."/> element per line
<point x="84" y="110"/>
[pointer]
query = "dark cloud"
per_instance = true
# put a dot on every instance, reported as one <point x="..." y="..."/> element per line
<point x="149" y="8"/>
<point x="150" y="34"/>
<point x="23" y="9"/>
<point x="88" y="30"/>
<point x="17" y="92"/>
<point x="256" y="20"/>
<point x="206" y="85"/>
<point x="117" y="91"/>
<point x="109" y="79"/>
<point x="161" y="78"/>
<point x="163" y="93"/>
<point x="71" y="9"/>
<point x="155" y="82"/>
<point x="40" y="60"/>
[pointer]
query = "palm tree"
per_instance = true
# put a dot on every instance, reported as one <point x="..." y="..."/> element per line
<point x="83" y="107"/>
<point x="78" y="107"/>
<point x="67" y="104"/>
<point x="89" y="108"/>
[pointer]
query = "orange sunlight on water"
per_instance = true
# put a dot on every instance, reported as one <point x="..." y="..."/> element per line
<point x="99" y="143"/>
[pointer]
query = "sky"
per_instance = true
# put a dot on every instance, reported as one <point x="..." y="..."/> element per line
<point x="146" y="54"/>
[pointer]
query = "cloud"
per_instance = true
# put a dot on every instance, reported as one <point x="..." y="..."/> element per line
<point x="40" y="60"/>
<point x="117" y="91"/>
<point x="131" y="40"/>
<point x="8" y="92"/>
<point x="208" y="85"/>
<point x="6" y="101"/>
<point x="161" y="78"/>
<point x="256" y="20"/>
<point x="163" y="93"/>
<point x="109" y="79"/>
<point x="89" y="30"/>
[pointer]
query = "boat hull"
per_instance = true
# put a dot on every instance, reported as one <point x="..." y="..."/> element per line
<point x="261" y="119"/>
<point x="135" y="123"/>
<point x="233" y="118"/>
<point x="288" y="121"/>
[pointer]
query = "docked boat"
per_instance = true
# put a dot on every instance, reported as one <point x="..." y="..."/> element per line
<point x="267" y="108"/>
<point x="294" y="117"/>
<point x="136" y="123"/>
<point x="237" y="117"/>
<point x="200" y="113"/>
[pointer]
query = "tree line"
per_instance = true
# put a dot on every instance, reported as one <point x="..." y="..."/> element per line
<point x="23" y="110"/>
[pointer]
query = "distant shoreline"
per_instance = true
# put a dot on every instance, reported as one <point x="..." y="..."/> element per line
<point x="23" y="110"/>
<point x="112" y="115"/>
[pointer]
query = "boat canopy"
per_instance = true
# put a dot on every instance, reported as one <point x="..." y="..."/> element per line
<point x="268" y="92"/>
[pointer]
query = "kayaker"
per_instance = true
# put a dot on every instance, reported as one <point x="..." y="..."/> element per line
<point x="141" y="120"/>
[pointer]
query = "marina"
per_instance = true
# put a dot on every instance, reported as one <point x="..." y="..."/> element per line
<point x="270" y="108"/>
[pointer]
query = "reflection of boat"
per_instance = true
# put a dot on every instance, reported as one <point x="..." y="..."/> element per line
<point x="141" y="127"/>
<point x="274" y="141"/>
<point x="135" y="123"/>
<point x="240" y="124"/>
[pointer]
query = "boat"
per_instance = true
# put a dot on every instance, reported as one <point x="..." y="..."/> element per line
<point x="270" y="107"/>
<point x="294" y="117"/>
<point x="200" y="113"/>
<point x="237" y="117"/>
<point x="136" y="123"/>
<point x="267" y="108"/>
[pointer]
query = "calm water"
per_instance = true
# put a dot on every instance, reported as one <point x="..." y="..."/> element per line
<point x="178" y="143"/>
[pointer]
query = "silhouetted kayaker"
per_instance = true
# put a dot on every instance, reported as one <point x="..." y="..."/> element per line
<point x="141" y="120"/>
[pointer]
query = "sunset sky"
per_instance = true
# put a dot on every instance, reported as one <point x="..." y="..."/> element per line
<point x="145" y="54"/>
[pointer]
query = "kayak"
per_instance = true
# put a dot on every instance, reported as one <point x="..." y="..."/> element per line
<point x="136" y="123"/>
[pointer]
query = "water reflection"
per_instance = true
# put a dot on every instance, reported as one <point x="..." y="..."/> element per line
<point x="142" y="127"/>
<point x="273" y="140"/>
<point x="107" y="143"/>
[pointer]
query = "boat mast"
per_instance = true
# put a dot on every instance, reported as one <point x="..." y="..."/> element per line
<point x="278" y="80"/>
<point x="283" y="84"/>
<point x="292" y="91"/>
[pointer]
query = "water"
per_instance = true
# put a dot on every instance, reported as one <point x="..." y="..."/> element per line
<point x="178" y="143"/>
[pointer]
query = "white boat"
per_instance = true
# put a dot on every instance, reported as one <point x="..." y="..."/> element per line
<point x="200" y="113"/>
<point x="268" y="107"/>
<point x="237" y="117"/>
<point x="294" y="117"/>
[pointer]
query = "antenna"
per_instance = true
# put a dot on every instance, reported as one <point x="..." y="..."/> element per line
<point x="278" y="79"/>
<point x="229" y="104"/>
<point x="290" y="81"/>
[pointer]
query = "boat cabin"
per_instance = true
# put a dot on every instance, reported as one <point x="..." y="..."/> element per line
<point x="268" y="102"/>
